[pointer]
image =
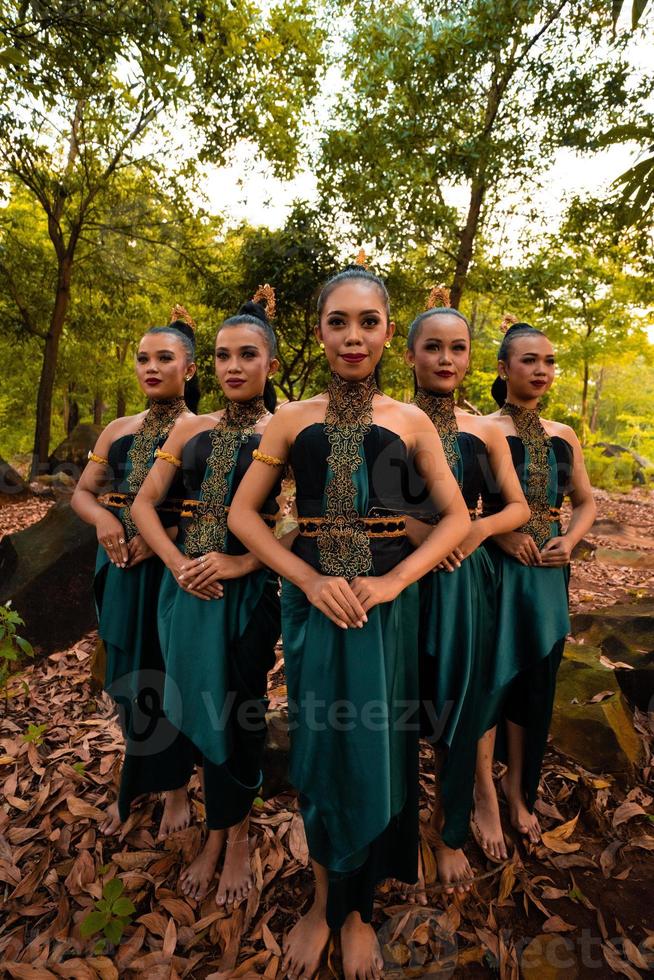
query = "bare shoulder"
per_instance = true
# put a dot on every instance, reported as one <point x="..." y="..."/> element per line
<point x="126" y="425"/>
<point x="560" y="429"/>
<point x="406" y="411"/>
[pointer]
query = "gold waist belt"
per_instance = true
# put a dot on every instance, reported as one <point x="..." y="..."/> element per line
<point x="201" y="508"/>
<point x="373" y="527"/>
<point x="117" y="501"/>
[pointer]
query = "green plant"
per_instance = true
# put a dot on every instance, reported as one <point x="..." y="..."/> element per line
<point x="11" y="645"/>
<point x="34" y="734"/>
<point x="609" y="472"/>
<point x="111" y="915"/>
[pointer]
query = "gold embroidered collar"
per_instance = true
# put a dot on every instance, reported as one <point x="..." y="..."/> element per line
<point x="152" y="433"/>
<point x="440" y="409"/>
<point x="530" y="431"/>
<point x="343" y="545"/>
<point x="208" y="529"/>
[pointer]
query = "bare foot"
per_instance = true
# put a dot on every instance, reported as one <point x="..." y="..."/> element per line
<point x="112" y="822"/>
<point x="523" y="821"/>
<point x="487" y="825"/>
<point x="362" y="957"/>
<point x="236" y="876"/>
<point x="176" y="814"/>
<point x="454" y="872"/>
<point x="195" y="880"/>
<point x="305" y="945"/>
<point x="416" y="892"/>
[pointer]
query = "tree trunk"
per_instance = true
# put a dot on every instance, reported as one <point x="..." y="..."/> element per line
<point x="49" y="369"/>
<point x="467" y="241"/>
<point x="98" y="408"/>
<point x="596" y="401"/>
<point x="121" y="402"/>
<point x="584" y="404"/>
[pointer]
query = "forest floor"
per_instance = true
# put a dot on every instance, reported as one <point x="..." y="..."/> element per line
<point x="578" y="905"/>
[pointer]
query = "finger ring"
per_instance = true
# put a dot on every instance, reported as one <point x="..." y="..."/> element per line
<point x="121" y="540"/>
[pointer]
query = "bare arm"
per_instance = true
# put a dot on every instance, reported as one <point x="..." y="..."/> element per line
<point x="558" y="550"/>
<point x="331" y="594"/>
<point x="451" y="529"/>
<point x="95" y="480"/>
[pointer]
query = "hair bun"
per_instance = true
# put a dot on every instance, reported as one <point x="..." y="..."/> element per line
<point x="181" y="326"/>
<point x="253" y="309"/>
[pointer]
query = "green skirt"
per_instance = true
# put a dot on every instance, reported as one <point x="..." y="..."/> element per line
<point x="157" y="756"/>
<point x="353" y="714"/>
<point x="532" y="624"/>
<point x="457" y="625"/>
<point x="217" y="657"/>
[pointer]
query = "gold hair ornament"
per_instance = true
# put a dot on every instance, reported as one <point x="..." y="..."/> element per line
<point x="508" y="321"/>
<point x="266" y="296"/>
<point x="178" y="312"/>
<point x="361" y="259"/>
<point x="438" y="296"/>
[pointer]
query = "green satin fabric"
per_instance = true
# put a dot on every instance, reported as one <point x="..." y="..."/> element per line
<point x="196" y="637"/>
<point x="532" y="624"/>
<point x="457" y="617"/>
<point x="353" y="699"/>
<point x="157" y="757"/>
<point x="351" y="693"/>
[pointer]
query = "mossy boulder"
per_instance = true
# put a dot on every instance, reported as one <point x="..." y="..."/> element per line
<point x="592" y="722"/>
<point x="624" y="633"/>
<point x="47" y="571"/>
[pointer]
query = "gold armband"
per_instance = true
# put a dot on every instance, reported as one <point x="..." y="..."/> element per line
<point x="264" y="458"/>
<point x="160" y="454"/>
<point x="94" y="458"/>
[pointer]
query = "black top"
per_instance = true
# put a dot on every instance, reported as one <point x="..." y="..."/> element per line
<point x="561" y="462"/>
<point x="393" y="487"/>
<point x="194" y="467"/>
<point x="120" y="468"/>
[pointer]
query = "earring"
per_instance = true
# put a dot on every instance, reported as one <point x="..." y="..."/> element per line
<point x="187" y="377"/>
<point x="387" y="344"/>
<point x="321" y="345"/>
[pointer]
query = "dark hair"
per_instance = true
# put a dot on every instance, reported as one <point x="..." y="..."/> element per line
<point x="254" y="314"/>
<point x="499" y="387"/>
<point x="347" y="275"/>
<point x="185" y="333"/>
<point x="414" y="329"/>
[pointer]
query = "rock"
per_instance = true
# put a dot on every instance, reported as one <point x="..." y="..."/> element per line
<point x="623" y="556"/>
<point x="47" y="571"/>
<point x="584" y="550"/>
<point x="276" y="754"/>
<point x="625" y="634"/>
<point x="11" y="482"/>
<point x="71" y="454"/>
<point x="598" y="734"/>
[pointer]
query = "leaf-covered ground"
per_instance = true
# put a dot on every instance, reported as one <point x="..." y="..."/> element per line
<point x="579" y="905"/>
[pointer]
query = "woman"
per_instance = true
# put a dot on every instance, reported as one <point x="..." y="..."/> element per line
<point x="218" y="653"/>
<point x="457" y="601"/>
<point x="128" y="574"/>
<point x="349" y="617"/>
<point x="532" y="566"/>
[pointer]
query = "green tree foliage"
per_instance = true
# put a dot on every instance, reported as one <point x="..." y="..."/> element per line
<point x="91" y="92"/>
<point x="295" y="260"/>
<point x="449" y="102"/>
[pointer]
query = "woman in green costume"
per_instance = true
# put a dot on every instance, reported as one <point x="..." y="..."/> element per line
<point x="457" y="600"/>
<point x="532" y="567"/>
<point x="127" y="575"/>
<point x="218" y="608"/>
<point x="349" y="618"/>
